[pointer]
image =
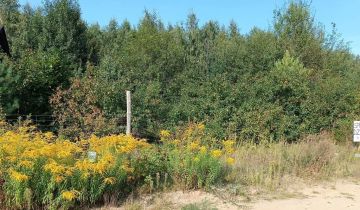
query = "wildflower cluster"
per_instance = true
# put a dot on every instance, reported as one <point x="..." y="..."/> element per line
<point x="48" y="172"/>
<point x="55" y="171"/>
<point x="196" y="160"/>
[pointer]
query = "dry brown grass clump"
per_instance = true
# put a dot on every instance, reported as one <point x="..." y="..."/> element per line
<point x="272" y="165"/>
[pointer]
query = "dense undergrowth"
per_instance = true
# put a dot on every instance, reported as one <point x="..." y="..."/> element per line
<point x="297" y="77"/>
<point x="41" y="171"/>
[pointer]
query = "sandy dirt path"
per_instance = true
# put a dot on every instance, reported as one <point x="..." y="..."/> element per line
<point x="329" y="196"/>
<point x="342" y="194"/>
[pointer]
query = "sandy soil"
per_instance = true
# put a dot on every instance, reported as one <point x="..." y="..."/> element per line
<point x="330" y="196"/>
<point x="343" y="194"/>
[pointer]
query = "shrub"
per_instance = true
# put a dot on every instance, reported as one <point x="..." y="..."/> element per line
<point x="77" y="112"/>
<point x="40" y="170"/>
<point x="194" y="160"/>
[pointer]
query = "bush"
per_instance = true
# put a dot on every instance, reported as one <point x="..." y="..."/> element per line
<point x="194" y="160"/>
<point x="40" y="170"/>
<point x="78" y="114"/>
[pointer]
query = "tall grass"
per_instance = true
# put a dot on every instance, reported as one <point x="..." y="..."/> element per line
<point x="269" y="164"/>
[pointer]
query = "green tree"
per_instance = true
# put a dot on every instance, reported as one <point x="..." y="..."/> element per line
<point x="297" y="32"/>
<point x="65" y="31"/>
<point x="9" y="79"/>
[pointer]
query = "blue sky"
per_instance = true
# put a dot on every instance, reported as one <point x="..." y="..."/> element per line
<point x="246" y="13"/>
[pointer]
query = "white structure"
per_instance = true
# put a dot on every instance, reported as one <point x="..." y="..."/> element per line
<point x="128" y="113"/>
<point x="356" y="131"/>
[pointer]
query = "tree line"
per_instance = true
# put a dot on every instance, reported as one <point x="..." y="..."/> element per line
<point x="293" y="79"/>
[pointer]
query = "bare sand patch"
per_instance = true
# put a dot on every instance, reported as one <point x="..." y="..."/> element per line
<point x="342" y="194"/>
<point x="326" y="196"/>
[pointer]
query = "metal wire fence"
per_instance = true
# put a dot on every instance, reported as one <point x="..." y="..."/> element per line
<point x="50" y="122"/>
<point x="43" y="122"/>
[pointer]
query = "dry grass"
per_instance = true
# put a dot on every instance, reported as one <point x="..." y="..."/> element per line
<point x="273" y="165"/>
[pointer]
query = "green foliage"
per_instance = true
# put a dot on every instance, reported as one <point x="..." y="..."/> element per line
<point x="193" y="159"/>
<point x="297" y="32"/>
<point x="65" y="31"/>
<point x="48" y="46"/>
<point x="9" y="79"/>
<point x="40" y="73"/>
<point x="283" y="83"/>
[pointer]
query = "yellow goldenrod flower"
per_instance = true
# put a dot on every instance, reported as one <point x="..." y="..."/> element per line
<point x="69" y="195"/>
<point x="216" y="153"/>
<point x="201" y="126"/>
<point x="26" y="164"/>
<point x="196" y="159"/>
<point x="49" y="135"/>
<point x="230" y="160"/>
<point x="100" y="167"/>
<point x="11" y="159"/>
<point x="19" y="177"/>
<point x="108" y="158"/>
<point x="203" y="150"/>
<point x="188" y="132"/>
<point x="54" y="168"/>
<point x="68" y="172"/>
<point x="22" y="148"/>
<point x="164" y="133"/>
<point x="193" y="146"/>
<point x="229" y="150"/>
<point x="64" y="154"/>
<point x="109" y="180"/>
<point x="229" y="146"/>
